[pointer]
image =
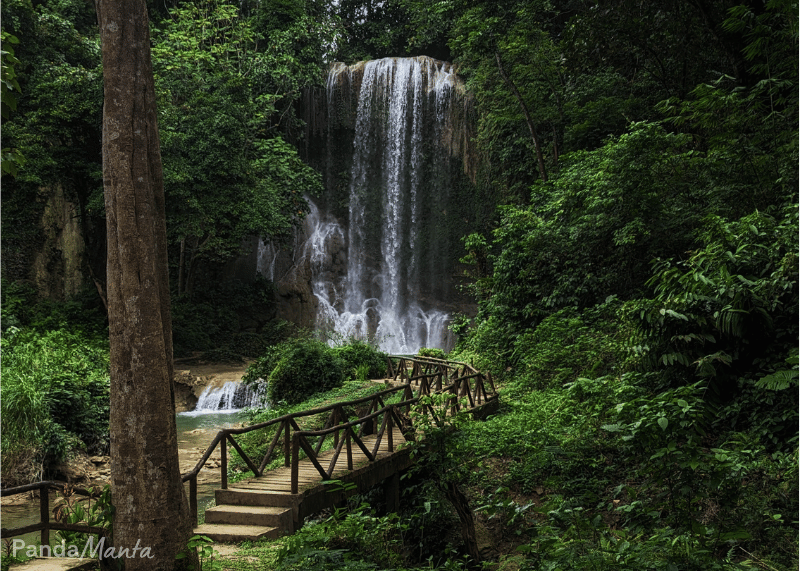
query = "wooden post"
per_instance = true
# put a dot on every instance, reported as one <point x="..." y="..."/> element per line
<point x="390" y="427"/>
<point x="287" y="442"/>
<point x="349" y="449"/>
<point x="295" y="461"/>
<point x="223" y="462"/>
<point x="44" y="513"/>
<point x="334" y="422"/>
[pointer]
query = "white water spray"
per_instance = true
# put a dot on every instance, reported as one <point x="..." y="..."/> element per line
<point x="229" y="398"/>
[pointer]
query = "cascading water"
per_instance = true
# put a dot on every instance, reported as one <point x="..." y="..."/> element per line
<point x="383" y="285"/>
<point x="379" y="251"/>
<point x="229" y="398"/>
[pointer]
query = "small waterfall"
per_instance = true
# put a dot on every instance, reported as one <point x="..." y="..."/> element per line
<point x="229" y="398"/>
<point x="267" y="256"/>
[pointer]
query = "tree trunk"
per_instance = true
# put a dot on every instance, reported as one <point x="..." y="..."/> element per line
<point x="151" y="509"/>
<point x="528" y="119"/>
<point x="461" y="504"/>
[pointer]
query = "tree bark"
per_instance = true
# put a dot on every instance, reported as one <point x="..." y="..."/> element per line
<point x="151" y="506"/>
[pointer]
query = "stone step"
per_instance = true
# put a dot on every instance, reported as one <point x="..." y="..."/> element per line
<point x="228" y="533"/>
<point x="267" y="516"/>
<point x="250" y="497"/>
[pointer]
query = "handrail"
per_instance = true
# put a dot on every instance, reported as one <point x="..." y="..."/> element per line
<point x="425" y="371"/>
<point x="45" y="525"/>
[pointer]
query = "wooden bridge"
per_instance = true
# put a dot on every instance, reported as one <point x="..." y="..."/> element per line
<point x="360" y="444"/>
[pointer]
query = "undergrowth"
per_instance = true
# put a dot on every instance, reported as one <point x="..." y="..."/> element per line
<point x="591" y="462"/>
<point x="55" y="384"/>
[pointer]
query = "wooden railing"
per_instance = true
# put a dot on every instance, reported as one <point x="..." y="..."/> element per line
<point x="427" y="375"/>
<point x="45" y="525"/>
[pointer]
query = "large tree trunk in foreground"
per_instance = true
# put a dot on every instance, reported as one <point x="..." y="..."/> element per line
<point x="151" y="506"/>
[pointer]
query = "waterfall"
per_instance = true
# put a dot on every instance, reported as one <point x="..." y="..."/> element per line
<point x="401" y="108"/>
<point x="229" y="398"/>
<point x="378" y="255"/>
<point x="266" y="258"/>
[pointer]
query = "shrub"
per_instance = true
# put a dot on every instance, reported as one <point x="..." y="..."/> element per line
<point x="432" y="352"/>
<point x="302" y="367"/>
<point x="55" y="389"/>
<point x="572" y="343"/>
<point x="362" y="361"/>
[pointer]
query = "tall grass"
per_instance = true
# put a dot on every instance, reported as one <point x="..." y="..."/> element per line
<point x="53" y="399"/>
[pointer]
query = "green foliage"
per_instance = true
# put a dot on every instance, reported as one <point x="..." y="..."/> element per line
<point x="22" y="308"/>
<point x="368" y="30"/>
<point x="55" y="388"/>
<point x="55" y="382"/>
<point x="229" y="317"/>
<point x="96" y="510"/>
<point x="58" y="120"/>
<point x="355" y="538"/>
<point x="729" y="313"/>
<point x="590" y="232"/>
<point x="361" y="361"/>
<point x="302" y="367"/>
<point x="431" y="352"/>
<point x="199" y="547"/>
<point x="570" y="344"/>
<point x="12" y="159"/>
<point x="8" y="80"/>
<point x="215" y="73"/>
<point x="514" y="69"/>
<point x="359" y="541"/>
<point x="57" y="127"/>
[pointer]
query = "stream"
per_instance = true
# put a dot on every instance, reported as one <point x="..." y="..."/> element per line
<point x="217" y="408"/>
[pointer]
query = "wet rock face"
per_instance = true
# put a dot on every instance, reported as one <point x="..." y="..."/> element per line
<point x="56" y="267"/>
<point x="295" y="299"/>
<point x="185" y="398"/>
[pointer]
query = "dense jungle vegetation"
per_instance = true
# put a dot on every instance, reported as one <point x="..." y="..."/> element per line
<point x="637" y="291"/>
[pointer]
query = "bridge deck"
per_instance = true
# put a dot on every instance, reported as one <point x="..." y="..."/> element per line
<point x="269" y="499"/>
